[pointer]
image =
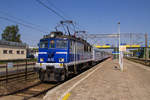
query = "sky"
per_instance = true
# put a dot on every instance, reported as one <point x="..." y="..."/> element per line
<point x="94" y="16"/>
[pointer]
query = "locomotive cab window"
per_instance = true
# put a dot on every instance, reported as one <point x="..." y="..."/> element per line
<point x="61" y="43"/>
<point x="52" y="44"/>
<point x="44" y="44"/>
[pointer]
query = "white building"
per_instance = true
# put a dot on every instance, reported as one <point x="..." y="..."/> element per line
<point x="12" y="50"/>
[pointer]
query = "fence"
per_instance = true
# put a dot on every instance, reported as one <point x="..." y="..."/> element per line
<point x="13" y="69"/>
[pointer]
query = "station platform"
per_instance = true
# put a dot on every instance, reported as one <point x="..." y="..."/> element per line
<point x="105" y="81"/>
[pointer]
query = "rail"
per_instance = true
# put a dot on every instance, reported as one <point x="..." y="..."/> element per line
<point x="139" y="60"/>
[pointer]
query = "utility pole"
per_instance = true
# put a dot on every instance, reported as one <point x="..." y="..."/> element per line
<point x="120" y="51"/>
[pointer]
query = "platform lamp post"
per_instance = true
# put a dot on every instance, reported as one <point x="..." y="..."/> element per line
<point x="119" y="33"/>
<point x="120" y="51"/>
<point x="119" y="39"/>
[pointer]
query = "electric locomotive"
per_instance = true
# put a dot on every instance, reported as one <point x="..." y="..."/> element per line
<point x="61" y="55"/>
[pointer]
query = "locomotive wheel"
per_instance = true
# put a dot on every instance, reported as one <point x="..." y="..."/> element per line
<point x="41" y="76"/>
<point x="66" y="74"/>
<point x="63" y="75"/>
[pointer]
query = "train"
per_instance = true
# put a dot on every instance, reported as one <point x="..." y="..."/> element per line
<point x="61" y="55"/>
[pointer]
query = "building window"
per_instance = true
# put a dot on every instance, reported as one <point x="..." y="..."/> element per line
<point x="10" y="52"/>
<point x="4" y="51"/>
<point x="22" y="52"/>
<point x="18" y="52"/>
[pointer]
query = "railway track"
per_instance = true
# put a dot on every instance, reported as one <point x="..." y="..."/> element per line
<point x="139" y="60"/>
<point x="16" y="75"/>
<point x="37" y="90"/>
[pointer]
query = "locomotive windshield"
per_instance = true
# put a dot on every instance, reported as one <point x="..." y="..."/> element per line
<point x="52" y="44"/>
<point x="61" y="44"/>
<point x="44" y="44"/>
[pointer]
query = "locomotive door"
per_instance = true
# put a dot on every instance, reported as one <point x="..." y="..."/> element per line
<point x="75" y="56"/>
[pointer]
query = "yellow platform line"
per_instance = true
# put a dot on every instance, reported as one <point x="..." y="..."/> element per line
<point x="66" y="96"/>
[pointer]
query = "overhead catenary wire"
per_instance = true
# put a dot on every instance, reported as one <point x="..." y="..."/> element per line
<point x="52" y="4"/>
<point x="58" y="14"/>
<point x="28" y="26"/>
<point x="74" y="25"/>
<point x="19" y="19"/>
<point x="44" y="5"/>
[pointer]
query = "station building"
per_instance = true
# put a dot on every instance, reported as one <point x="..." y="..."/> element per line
<point x="12" y="50"/>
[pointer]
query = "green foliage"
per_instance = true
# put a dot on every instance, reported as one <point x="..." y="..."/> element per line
<point x="11" y="34"/>
<point x="35" y="49"/>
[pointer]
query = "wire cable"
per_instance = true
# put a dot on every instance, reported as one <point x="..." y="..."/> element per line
<point x="43" y="4"/>
<point x="19" y="19"/>
<point x="28" y="26"/>
<point x="58" y="14"/>
<point x="52" y="4"/>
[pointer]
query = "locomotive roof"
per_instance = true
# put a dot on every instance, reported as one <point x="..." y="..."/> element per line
<point x="61" y="35"/>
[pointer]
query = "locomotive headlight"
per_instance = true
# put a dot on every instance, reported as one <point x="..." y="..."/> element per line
<point x="61" y="60"/>
<point x="41" y="59"/>
<point x="52" y="35"/>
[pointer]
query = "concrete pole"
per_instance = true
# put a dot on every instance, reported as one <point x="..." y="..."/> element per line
<point x="120" y="52"/>
<point x="119" y="39"/>
<point x="119" y="34"/>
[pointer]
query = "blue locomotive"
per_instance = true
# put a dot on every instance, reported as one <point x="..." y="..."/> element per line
<point x="61" y="55"/>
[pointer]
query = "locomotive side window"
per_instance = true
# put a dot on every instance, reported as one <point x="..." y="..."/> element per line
<point x="71" y="46"/>
<point x="80" y="47"/>
<point x="52" y="44"/>
<point x="44" y="44"/>
<point x="61" y="44"/>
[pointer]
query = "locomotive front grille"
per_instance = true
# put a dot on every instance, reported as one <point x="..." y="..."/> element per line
<point x="50" y="69"/>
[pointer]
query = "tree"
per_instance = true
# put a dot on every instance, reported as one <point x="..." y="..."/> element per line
<point x="11" y="34"/>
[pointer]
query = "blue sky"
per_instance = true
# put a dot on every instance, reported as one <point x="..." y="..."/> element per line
<point x="95" y="16"/>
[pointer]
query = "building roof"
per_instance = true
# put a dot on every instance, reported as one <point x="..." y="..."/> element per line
<point x="16" y="44"/>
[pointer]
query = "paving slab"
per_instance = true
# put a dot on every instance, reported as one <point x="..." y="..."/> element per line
<point x="106" y="82"/>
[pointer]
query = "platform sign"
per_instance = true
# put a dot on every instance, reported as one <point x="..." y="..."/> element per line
<point x="122" y="48"/>
<point x="115" y="52"/>
<point x="10" y="65"/>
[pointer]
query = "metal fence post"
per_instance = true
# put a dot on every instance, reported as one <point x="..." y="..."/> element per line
<point x="26" y="70"/>
<point x="6" y="73"/>
<point x="17" y="70"/>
